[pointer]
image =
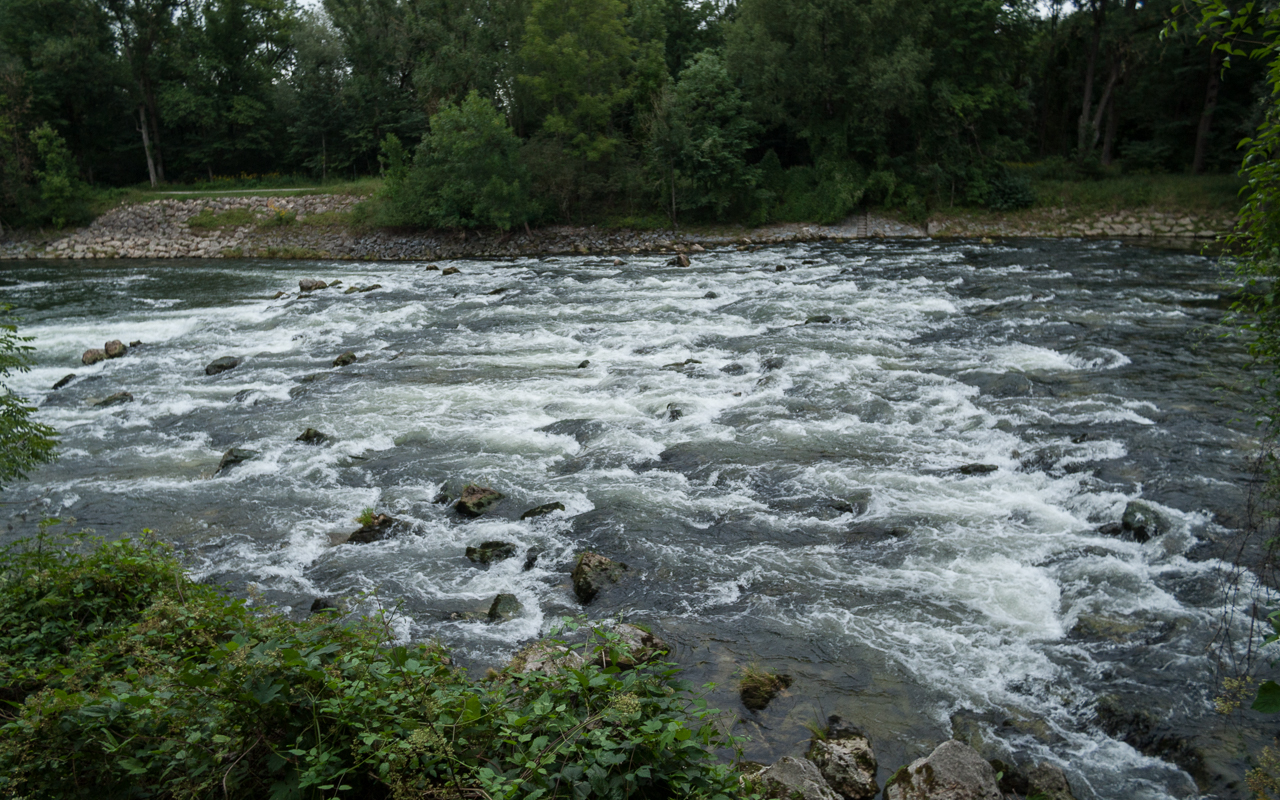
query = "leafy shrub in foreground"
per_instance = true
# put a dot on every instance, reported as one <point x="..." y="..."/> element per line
<point x="125" y="679"/>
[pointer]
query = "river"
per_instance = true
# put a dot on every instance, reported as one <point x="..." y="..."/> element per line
<point x="787" y="494"/>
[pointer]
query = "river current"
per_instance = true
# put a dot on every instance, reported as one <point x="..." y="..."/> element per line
<point x="787" y="494"/>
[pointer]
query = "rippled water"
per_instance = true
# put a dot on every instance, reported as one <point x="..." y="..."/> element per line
<point x="805" y="510"/>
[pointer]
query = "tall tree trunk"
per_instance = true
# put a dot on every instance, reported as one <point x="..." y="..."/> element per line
<point x="1206" y="116"/>
<point x="1109" y="138"/>
<point x="1104" y="103"/>
<point x="1098" y="8"/>
<point x="146" y="144"/>
<point x="324" y="159"/>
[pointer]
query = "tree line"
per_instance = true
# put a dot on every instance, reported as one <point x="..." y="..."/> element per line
<point x="506" y="112"/>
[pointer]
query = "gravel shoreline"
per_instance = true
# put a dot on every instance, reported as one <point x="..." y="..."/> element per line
<point x="313" y="227"/>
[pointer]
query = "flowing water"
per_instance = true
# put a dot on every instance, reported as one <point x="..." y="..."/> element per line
<point x="804" y="509"/>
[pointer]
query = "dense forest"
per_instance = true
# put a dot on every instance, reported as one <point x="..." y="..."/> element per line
<point x="499" y="113"/>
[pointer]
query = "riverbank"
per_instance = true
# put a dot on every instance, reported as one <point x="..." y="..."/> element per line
<point x="328" y="226"/>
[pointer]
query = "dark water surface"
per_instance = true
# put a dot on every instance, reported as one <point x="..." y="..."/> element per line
<point x="805" y="510"/>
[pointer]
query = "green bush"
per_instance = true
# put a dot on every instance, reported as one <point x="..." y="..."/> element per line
<point x="467" y="172"/>
<point x="1010" y="192"/>
<point x="122" y="678"/>
<point x="58" y="179"/>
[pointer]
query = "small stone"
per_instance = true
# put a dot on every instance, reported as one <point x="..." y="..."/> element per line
<point x="711" y="296"/>
<point x="476" y="500"/>
<point x="277" y="295"/>
<point x="505" y="608"/>
<point x="93" y="356"/>
<point x="345" y="359"/>
<point x="430" y="267"/>
<point x="370" y="287"/>
<point x="223" y="364"/>
<point x="541" y="510"/>
<point x="773" y="363"/>
<point x="312" y="436"/>
<point x="137" y="343"/>
<point x="114" y="348"/>
<point x="617" y="262"/>
<point x="697" y="248"/>
<point x="450" y="271"/>
<point x="977" y="469"/>
<point x="351" y="290"/>
<point x="489" y="552"/>
<point x="818" y="319"/>
<point x="592" y="573"/>
<point x="780" y="268"/>
<point x="585" y="363"/>
<point x="234" y="457"/>
<point x="64" y="381"/>
<point x="119" y="398"/>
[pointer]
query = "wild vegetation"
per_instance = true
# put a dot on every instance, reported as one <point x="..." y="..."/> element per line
<point x="24" y="443"/>
<point x="496" y="114"/>
<point x="122" y="677"/>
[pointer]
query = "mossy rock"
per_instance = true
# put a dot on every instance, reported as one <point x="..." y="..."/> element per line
<point x="489" y="552"/>
<point x="476" y="500"/>
<point x="592" y="573"/>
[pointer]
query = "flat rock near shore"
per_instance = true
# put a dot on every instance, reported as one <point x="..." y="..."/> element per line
<point x="163" y="229"/>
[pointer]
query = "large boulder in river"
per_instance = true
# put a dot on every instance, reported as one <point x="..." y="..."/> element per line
<point x="1143" y="521"/>
<point x="953" y="771"/>
<point x="793" y="779"/>
<point x="489" y="552"/>
<point x="117" y="399"/>
<point x="345" y="359"/>
<point x="114" y="348"/>
<point x="312" y="436"/>
<point x="846" y="761"/>
<point x="220" y="365"/>
<point x="592" y="573"/>
<point x="476" y="500"/>
<point x="505" y="608"/>
<point x="311" y="284"/>
<point x="376" y="529"/>
<point x="93" y="356"/>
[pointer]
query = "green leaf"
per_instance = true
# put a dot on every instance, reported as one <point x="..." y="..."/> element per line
<point x="1268" y="700"/>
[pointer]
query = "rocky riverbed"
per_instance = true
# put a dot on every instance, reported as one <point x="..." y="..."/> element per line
<point x="317" y="226"/>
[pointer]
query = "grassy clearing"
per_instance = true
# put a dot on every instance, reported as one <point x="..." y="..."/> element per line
<point x="207" y="220"/>
<point x="1195" y="194"/>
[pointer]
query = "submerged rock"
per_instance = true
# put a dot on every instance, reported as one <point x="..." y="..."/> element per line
<point x="818" y="319"/>
<point x="92" y="356"/>
<point x="541" y="510"/>
<point x="531" y="558"/>
<point x="312" y="436"/>
<point x="119" y="398"/>
<point x="450" y="271"/>
<point x="476" y="500"/>
<point x="505" y="608"/>
<point x="1143" y="521"/>
<point x="592" y="573"/>
<point x="345" y="359"/>
<point x="64" y="381"/>
<point x="846" y="760"/>
<point x="711" y="296"/>
<point x="679" y="260"/>
<point x="489" y="552"/>
<point x="219" y="365"/>
<point x="114" y="348"/>
<point x="585" y="363"/>
<point x="733" y="369"/>
<point x="953" y="771"/>
<point x="323" y="605"/>
<point x="977" y="469"/>
<point x="793" y="779"/>
<point x="673" y="412"/>
<point x="758" y="688"/>
<point x="233" y="457"/>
